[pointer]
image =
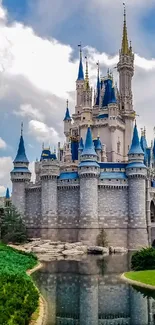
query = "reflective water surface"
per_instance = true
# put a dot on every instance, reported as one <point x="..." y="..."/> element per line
<point x="90" y="292"/>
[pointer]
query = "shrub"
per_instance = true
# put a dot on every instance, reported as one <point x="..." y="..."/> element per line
<point x="102" y="239"/>
<point x="12" y="226"/>
<point x="18" y="296"/>
<point x="18" y="299"/>
<point x="143" y="259"/>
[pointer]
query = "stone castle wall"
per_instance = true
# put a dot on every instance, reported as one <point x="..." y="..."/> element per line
<point x="77" y="212"/>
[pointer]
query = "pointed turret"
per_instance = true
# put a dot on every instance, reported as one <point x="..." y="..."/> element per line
<point x="20" y="176"/>
<point x="135" y="145"/>
<point x="81" y="145"/>
<point x="67" y="122"/>
<point x="21" y="155"/>
<point x="154" y="149"/>
<point x="98" y="86"/>
<point x="89" y="149"/>
<point x="80" y="72"/>
<point x="67" y="114"/>
<point x="125" y="44"/>
<point x="125" y="67"/>
<point x="109" y="94"/>
<point x="7" y="196"/>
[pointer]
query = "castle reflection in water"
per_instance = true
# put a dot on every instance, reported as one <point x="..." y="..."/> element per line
<point x="90" y="292"/>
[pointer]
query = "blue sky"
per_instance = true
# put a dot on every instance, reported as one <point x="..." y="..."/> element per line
<point x="39" y="61"/>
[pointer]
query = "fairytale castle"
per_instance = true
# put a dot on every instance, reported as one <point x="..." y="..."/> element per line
<point x="102" y="177"/>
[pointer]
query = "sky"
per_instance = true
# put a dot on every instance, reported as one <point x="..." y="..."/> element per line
<point x="39" y="63"/>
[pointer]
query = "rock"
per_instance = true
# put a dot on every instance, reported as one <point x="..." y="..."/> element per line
<point x="82" y="248"/>
<point x="111" y="250"/>
<point x="38" y="250"/>
<point x="120" y="250"/>
<point x="97" y="250"/>
<point x="72" y="252"/>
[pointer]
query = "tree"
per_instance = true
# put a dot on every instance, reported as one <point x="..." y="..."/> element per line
<point x="102" y="238"/>
<point x="12" y="226"/>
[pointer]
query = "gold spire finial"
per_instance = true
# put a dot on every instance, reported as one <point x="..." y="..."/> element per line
<point x="80" y="47"/>
<point x="125" y="44"/>
<point x="86" y="75"/>
<point x="22" y="129"/>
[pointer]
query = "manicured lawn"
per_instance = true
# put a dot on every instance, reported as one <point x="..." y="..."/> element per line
<point x="18" y="296"/>
<point x="147" y="277"/>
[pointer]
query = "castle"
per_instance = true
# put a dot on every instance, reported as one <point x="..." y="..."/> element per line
<point x="102" y="178"/>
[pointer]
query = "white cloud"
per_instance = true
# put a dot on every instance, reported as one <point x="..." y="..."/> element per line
<point x="6" y="166"/>
<point x="27" y="110"/>
<point x="3" y="144"/>
<point x="42" y="132"/>
<point x="32" y="170"/>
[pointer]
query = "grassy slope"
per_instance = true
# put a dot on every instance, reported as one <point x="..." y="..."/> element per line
<point x="18" y="296"/>
<point x="147" y="277"/>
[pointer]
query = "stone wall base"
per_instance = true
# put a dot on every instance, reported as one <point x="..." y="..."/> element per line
<point x="115" y="237"/>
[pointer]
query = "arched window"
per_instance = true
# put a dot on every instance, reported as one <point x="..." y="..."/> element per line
<point x="152" y="210"/>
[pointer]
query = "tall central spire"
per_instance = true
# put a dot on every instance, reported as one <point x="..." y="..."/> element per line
<point x="125" y="44"/>
<point x="86" y="76"/>
<point x="80" y="73"/>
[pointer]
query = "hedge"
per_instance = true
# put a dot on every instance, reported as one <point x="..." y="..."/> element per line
<point x="18" y="295"/>
<point x="143" y="259"/>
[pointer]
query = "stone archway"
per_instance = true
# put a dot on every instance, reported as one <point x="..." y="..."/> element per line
<point x="152" y="212"/>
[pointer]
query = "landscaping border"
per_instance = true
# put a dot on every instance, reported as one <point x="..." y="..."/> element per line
<point x="43" y="312"/>
<point x="42" y="318"/>
<point x="137" y="283"/>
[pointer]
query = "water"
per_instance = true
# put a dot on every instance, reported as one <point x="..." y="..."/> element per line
<point x="90" y="292"/>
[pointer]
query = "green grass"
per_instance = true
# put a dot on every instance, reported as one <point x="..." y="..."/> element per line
<point x="146" y="277"/>
<point x="18" y="295"/>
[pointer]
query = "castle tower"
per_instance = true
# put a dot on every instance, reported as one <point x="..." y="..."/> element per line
<point x="87" y="92"/>
<point x="137" y="172"/>
<point x="125" y="68"/>
<point x="79" y="85"/>
<point x="20" y="176"/>
<point x="88" y="173"/>
<point x="67" y="123"/>
<point x="49" y="203"/>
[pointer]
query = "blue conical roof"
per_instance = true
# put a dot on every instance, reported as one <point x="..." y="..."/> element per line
<point x="135" y="146"/>
<point x="80" y="73"/>
<point x="21" y="155"/>
<point x="113" y="96"/>
<point x="98" y="91"/>
<point x="89" y="148"/>
<point x="98" y="145"/>
<point x="109" y="94"/>
<point x="144" y="146"/>
<point x="7" y="196"/>
<point x="67" y="115"/>
<point x="81" y="145"/>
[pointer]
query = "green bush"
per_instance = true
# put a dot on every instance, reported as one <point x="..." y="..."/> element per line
<point x="18" y="299"/>
<point x="18" y="295"/>
<point x="102" y="239"/>
<point x="12" y="226"/>
<point x="143" y="259"/>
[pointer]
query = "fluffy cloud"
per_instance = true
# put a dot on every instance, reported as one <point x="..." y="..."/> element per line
<point x="42" y="132"/>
